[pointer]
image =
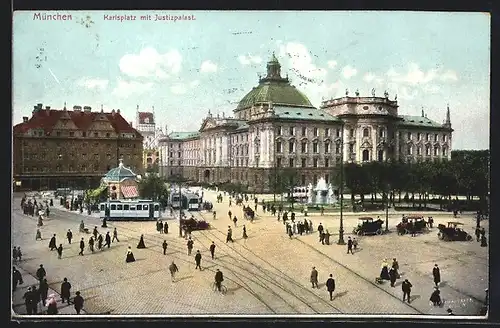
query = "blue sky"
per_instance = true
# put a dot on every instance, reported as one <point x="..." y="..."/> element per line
<point x="186" y="68"/>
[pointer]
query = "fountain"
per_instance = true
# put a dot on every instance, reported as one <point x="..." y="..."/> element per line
<point x="322" y="194"/>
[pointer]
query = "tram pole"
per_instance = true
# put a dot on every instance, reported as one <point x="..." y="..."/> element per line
<point x="341" y="189"/>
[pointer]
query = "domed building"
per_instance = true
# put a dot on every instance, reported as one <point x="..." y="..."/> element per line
<point x="276" y="129"/>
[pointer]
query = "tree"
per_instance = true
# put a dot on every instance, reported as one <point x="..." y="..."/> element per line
<point x="153" y="187"/>
<point x="290" y="180"/>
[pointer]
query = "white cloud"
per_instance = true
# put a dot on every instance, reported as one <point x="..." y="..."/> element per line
<point x="208" y="67"/>
<point x="194" y="83"/>
<point x="125" y="89"/>
<point x="332" y="64"/>
<point x="416" y="76"/>
<point x="431" y="88"/>
<point x="349" y="72"/>
<point x="403" y="92"/>
<point x="369" y="77"/>
<point x="93" y="83"/>
<point x="150" y="63"/>
<point x="249" y="59"/>
<point x="449" y="75"/>
<point x="178" y="89"/>
<point x="300" y="61"/>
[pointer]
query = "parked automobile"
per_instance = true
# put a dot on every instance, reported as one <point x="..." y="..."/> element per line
<point x="367" y="226"/>
<point x="452" y="232"/>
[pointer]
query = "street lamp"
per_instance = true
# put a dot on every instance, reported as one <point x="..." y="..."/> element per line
<point x="180" y="209"/>
<point x="387" y="196"/>
<point x="341" y="189"/>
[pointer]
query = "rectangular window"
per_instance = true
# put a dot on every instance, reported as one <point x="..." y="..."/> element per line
<point x="278" y="162"/>
<point x="409" y="135"/>
<point x="96" y="134"/>
<point x="436" y="151"/>
<point x="303" y="162"/>
<point x="315" y="147"/>
<point x="103" y="208"/>
<point x="303" y="147"/>
<point x="71" y="134"/>
<point x="315" y="162"/>
<point x="84" y="134"/>
<point x="278" y="147"/>
<point x="145" y="207"/>
<point x="337" y="148"/>
<point x="303" y="180"/>
<point x="139" y="207"/>
<point x="278" y="130"/>
<point x="418" y="136"/>
<point x="435" y="138"/>
<point x="327" y="147"/>
<point x="113" y="207"/>
<point x="291" y="146"/>
<point x="445" y="137"/>
<point x="291" y="162"/>
<point x="304" y="131"/>
<point x="327" y="163"/>
<point x="315" y="131"/>
<point x="126" y="207"/>
<point x="337" y="133"/>
<point x="351" y="133"/>
<point x="119" y="207"/>
<point x="327" y="132"/>
<point x="291" y="130"/>
<point x="427" y="137"/>
<point x="132" y="207"/>
<point x="327" y="178"/>
<point x="58" y="133"/>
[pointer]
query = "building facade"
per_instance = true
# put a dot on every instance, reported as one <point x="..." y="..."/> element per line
<point x="64" y="148"/>
<point x="146" y="125"/>
<point x="275" y="126"/>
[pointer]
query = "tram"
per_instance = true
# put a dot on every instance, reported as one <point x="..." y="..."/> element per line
<point x="299" y="194"/>
<point x="193" y="201"/>
<point x="175" y="200"/>
<point x="122" y="210"/>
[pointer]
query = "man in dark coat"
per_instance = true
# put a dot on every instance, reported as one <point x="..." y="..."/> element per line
<point x="99" y="242"/>
<point x="165" y="227"/>
<point x="65" y="290"/>
<point x="219" y="278"/>
<point x="78" y="301"/>
<point x="393" y="276"/>
<point x="349" y="245"/>
<point x="69" y="235"/>
<point x="190" y="244"/>
<point x="82" y="247"/>
<point x="437" y="275"/>
<point x="44" y="290"/>
<point x="406" y="288"/>
<point x="197" y="259"/>
<point x="320" y="231"/>
<point x="95" y="232"/>
<point x="164" y="245"/>
<point x="160" y="227"/>
<point x="330" y="286"/>
<point x="52" y="243"/>
<point x="35" y="299"/>
<point x="59" y="251"/>
<point x="212" y="250"/>
<point x="314" y="277"/>
<point x="41" y="273"/>
<point x="115" y="235"/>
<point x="108" y="240"/>
<point x="28" y="301"/>
<point x="17" y="278"/>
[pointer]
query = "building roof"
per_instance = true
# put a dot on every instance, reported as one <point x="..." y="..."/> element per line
<point x="419" y="121"/>
<point x="300" y="113"/>
<point x="277" y="92"/>
<point x="120" y="173"/>
<point x="46" y="119"/>
<point x="183" y="135"/>
<point x="146" y="118"/>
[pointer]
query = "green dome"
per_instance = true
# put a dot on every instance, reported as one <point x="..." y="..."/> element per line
<point x="277" y="92"/>
<point x="273" y="88"/>
<point x="119" y="173"/>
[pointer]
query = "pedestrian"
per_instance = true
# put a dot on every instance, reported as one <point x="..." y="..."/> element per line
<point x="99" y="242"/>
<point x="330" y="286"/>
<point x="108" y="240"/>
<point x="484" y="242"/>
<point x="229" y="236"/>
<point x="35" y="299"/>
<point x="406" y="288"/>
<point x="38" y="235"/>
<point x="65" y="290"/>
<point x="395" y="266"/>
<point x="314" y="278"/>
<point x="52" y="243"/>
<point x="52" y="305"/>
<point x="190" y="245"/>
<point x="436" y="297"/>
<point x="230" y="214"/>
<point x="14" y="254"/>
<point x="173" y="270"/>
<point x="290" y="231"/>
<point x="384" y="273"/>
<point x="197" y="259"/>
<point x="235" y="220"/>
<point x="326" y="237"/>
<point x="310" y="226"/>
<point x="115" y="235"/>
<point x="141" y="243"/>
<point x="41" y="273"/>
<point x="91" y="244"/>
<point x="219" y="278"/>
<point x="59" y="251"/>
<point x="320" y="231"/>
<point x="82" y="247"/>
<point x="164" y="245"/>
<point x="165" y="227"/>
<point x="355" y="244"/>
<point x="130" y="256"/>
<point x="69" y="236"/>
<point x="78" y="301"/>
<point x="43" y="288"/>
<point x="17" y="278"/>
<point x="349" y="245"/>
<point x="28" y="301"/>
<point x="95" y="232"/>
<point x="436" y="273"/>
<point x="392" y="276"/>
<point x="160" y="227"/>
<point x="245" y="236"/>
<point x="212" y="250"/>
<point x="294" y="227"/>
<point x="478" y="233"/>
<point x="450" y="312"/>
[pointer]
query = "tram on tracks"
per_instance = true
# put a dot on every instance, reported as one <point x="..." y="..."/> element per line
<point x="129" y="210"/>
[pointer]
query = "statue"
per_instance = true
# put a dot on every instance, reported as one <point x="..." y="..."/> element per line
<point x="346" y="92"/>
<point x="386" y="94"/>
<point x="357" y="93"/>
<point x="373" y="92"/>
<point x="310" y="194"/>
<point x="396" y="97"/>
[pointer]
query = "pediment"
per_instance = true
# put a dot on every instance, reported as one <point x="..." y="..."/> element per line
<point x="64" y="124"/>
<point x="208" y="124"/>
<point x="101" y="126"/>
<point x="366" y="144"/>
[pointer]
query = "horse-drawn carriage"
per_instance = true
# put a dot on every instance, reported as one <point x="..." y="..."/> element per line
<point x="453" y="233"/>
<point x="248" y="213"/>
<point x="193" y="224"/>
<point x="367" y="226"/>
<point x="207" y="206"/>
<point x="417" y="224"/>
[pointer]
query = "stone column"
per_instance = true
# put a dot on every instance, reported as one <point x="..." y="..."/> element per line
<point x="217" y="150"/>
<point x="374" y="155"/>
<point x="251" y="149"/>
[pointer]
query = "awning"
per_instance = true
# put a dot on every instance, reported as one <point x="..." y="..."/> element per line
<point x="129" y="192"/>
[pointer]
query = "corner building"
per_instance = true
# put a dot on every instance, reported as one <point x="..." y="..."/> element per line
<point x="276" y="126"/>
<point x="64" y="148"/>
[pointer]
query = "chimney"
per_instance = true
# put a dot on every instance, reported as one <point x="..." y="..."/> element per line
<point x="113" y="112"/>
<point x="130" y="123"/>
<point x="25" y="119"/>
<point x="47" y="107"/>
<point x="77" y="108"/>
<point x="39" y="106"/>
<point x="118" y="110"/>
<point x="87" y="108"/>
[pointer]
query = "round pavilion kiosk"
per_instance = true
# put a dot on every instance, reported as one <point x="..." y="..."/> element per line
<point x="122" y="182"/>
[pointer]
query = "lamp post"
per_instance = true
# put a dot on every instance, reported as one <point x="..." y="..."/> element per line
<point x="387" y="196"/>
<point x="180" y="209"/>
<point x="341" y="189"/>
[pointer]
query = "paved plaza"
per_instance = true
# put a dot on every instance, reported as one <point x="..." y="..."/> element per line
<point x="266" y="274"/>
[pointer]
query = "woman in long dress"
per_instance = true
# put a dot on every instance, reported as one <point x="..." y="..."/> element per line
<point x="245" y="236"/>
<point x="141" y="242"/>
<point x="130" y="256"/>
<point x="384" y="274"/>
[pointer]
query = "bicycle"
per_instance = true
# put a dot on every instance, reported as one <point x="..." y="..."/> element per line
<point x="223" y="289"/>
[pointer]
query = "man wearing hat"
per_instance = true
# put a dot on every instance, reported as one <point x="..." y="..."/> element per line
<point x="78" y="300"/>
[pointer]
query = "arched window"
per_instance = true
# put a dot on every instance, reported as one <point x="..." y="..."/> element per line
<point x="366" y="132"/>
<point x="380" y="156"/>
<point x="366" y="155"/>
<point x="381" y="132"/>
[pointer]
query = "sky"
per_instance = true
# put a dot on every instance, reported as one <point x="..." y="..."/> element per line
<point x="187" y="67"/>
